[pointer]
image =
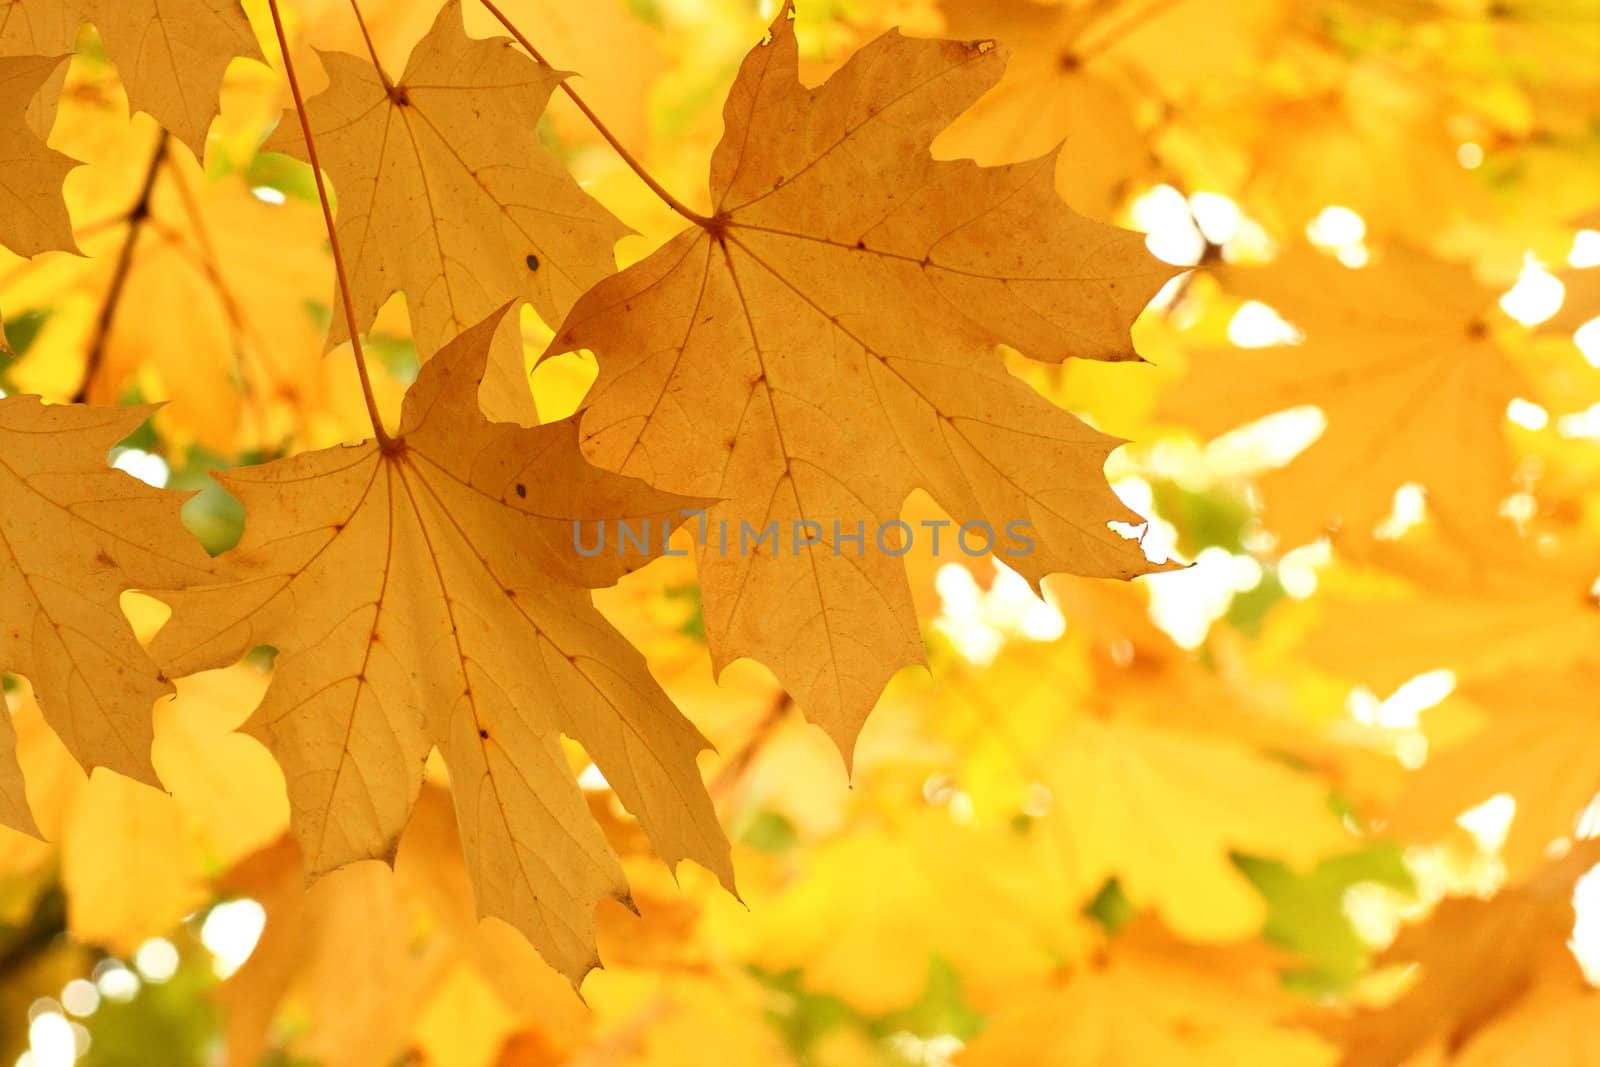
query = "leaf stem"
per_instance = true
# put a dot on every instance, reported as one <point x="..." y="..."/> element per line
<point x="372" y="51"/>
<point x="135" y="218"/>
<point x="656" y="187"/>
<point x="385" y="442"/>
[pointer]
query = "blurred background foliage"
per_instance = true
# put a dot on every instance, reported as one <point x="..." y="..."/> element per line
<point x="1321" y="797"/>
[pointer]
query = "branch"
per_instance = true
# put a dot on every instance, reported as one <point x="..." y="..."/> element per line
<point x="730" y="773"/>
<point x="135" y="218"/>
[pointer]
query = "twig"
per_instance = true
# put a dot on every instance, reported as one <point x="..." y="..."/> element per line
<point x="135" y="217"/>
<point x="208" y="263"/>
<point x="730" y="773"/>
<point x="384" y="440"/>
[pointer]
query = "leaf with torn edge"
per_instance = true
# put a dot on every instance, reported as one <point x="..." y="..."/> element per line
<point x="827" y="343"/>
<point x="430" y="595"/>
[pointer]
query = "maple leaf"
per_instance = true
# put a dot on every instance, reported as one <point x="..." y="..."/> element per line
<point x="1139" y="788"/>
<point x="1400" y="357"/>
<point x="1476" y="958"/>
<point x="1153" y="1000"/>
<point x="430" y="866"/>
<point x="1539" y="747"/>
<point x="33" y="214"/>
<point x="614" y="47"/>
<point x="170" y="54"/>
<point x="326" y="943"/>
<point x="14" y="809"/>
<point x="1085" y="75"/>
<point x="128" y="866"/>
<point x="241" y="366"/>
<point x="856" y="924"/>
<point x="429" y="594"/>
<point x="1078" y="77"/>
<point x="380" y="943"/>
<point x="225" y="787"/>
<point x="132" y="860"/>
<point x="1554" y="1020"/>
<point x="1518" y="609"/>
<point x="74" y="535"/>
<point x="1049" y="96"/>
<point x="1142" y="782"/>
<point x="1580" y="304"/>
<point x="445" y="191"/>
<point x="845" y="302"/>
<point x="30" y="30"/>
<point x="1371" y="138"/>
<point x="54" y="780"/>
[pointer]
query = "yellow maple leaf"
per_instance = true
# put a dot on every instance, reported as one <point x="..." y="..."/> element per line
<point x="33" y="214"/>
<point x="1368" y="136"/>
<point x="1133" y="789"/>
<point x="1050" y="96"/>
<point x="445" y="191"/>
<point x="326" y="945"/>
<point x="127" y="865"/>
<point x="1518" y="605"/>
<point x="1536" y="747"/>
<point x="858" y="921"/>
<point x="845" y="302"/>
<point x="430" y="867"/>
<point x="74" y="535"/>
<point x="401" y="953"/>
<point x="225" y="788"/>
<point x="240" y="368"/>
<point x="427" y="594"/>
<point x="14" y="809"/>
<point x="1552" y="1023"/>
<point x="1401" y="358"/>
<point x="1120" y="791"/>
<point x="171" y="54"/>
<point x="33" y="30"/>
<point x="1580" y="303"/>
<point x="1152" y="1000"/>
<point x="1475" y="957"/>
<point x="609" y="44"/>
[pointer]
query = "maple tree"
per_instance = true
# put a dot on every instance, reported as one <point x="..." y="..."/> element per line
<point x="1081" y="510"/>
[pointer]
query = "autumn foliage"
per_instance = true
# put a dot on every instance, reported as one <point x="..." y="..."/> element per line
<point x="1101" y="502"/>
